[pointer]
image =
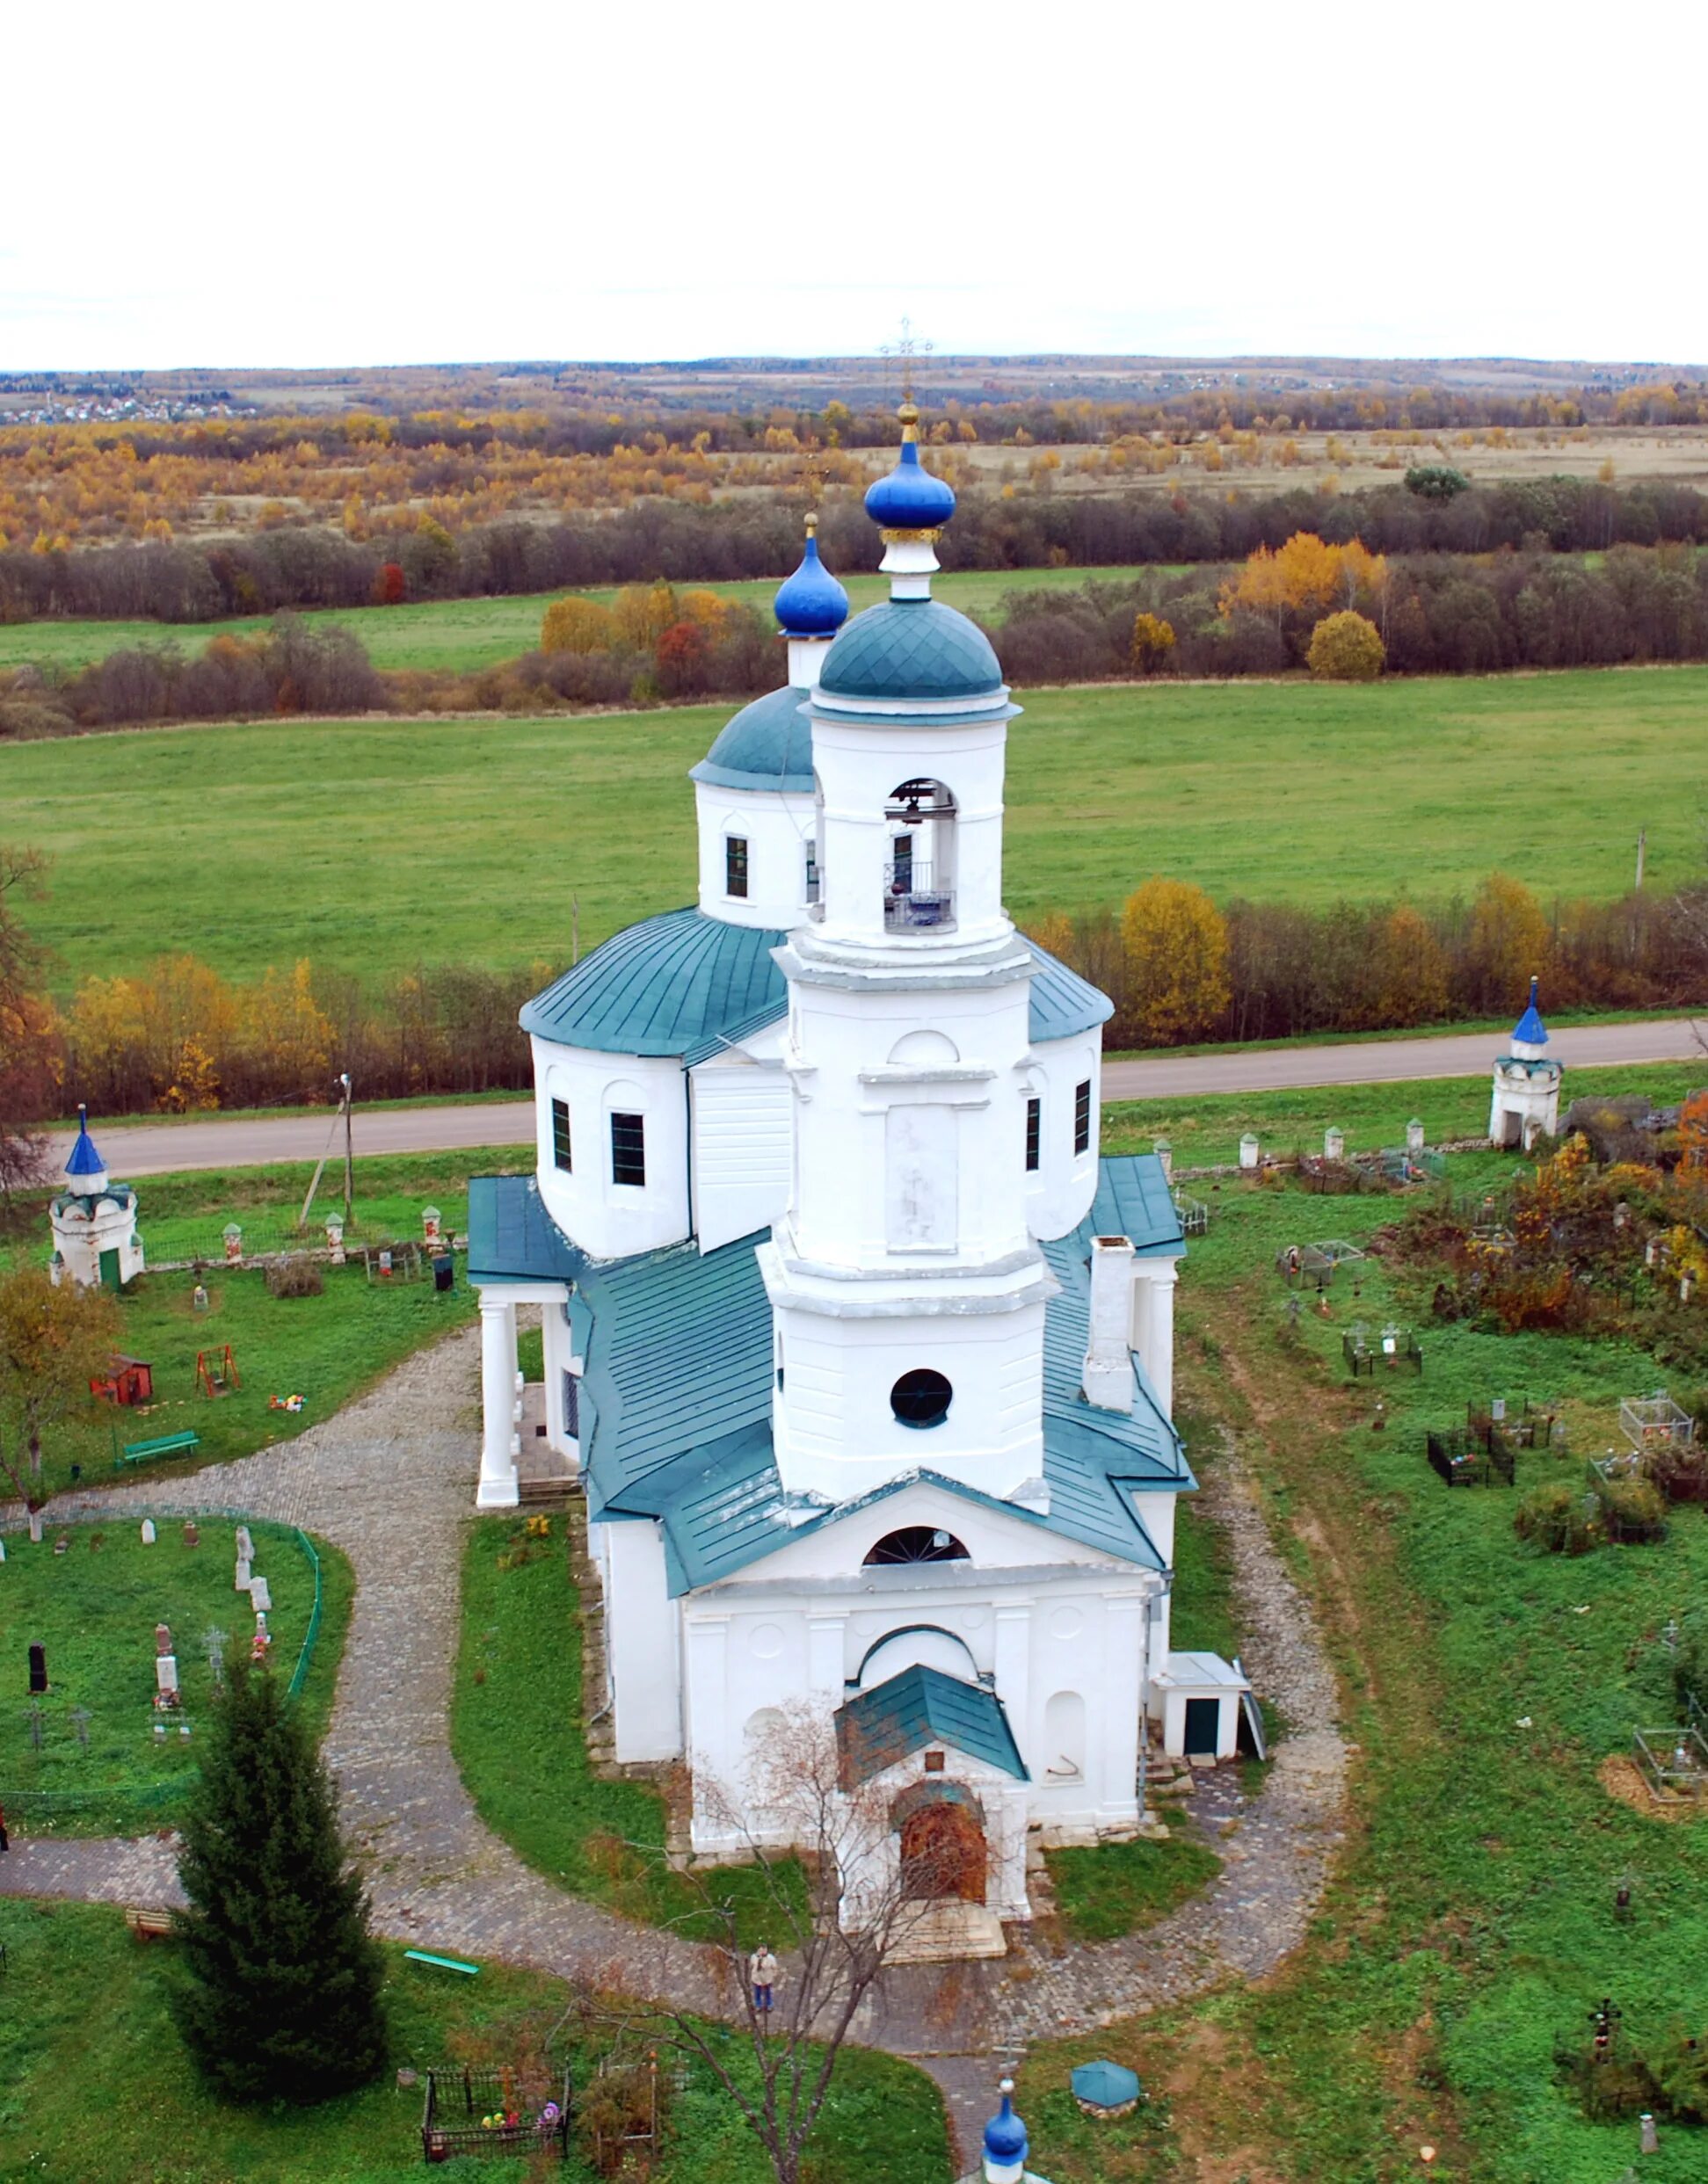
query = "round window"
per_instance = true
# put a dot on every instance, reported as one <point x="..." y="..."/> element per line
<point x="921" y="1397"/>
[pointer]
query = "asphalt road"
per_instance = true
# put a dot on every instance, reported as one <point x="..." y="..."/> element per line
<point x="161" y="1148"/>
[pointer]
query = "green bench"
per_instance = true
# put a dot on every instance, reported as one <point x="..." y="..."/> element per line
<point x="444" y="1963"/>
<point x="166" y="1445"/>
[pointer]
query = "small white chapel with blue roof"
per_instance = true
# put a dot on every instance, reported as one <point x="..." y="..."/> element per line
<point x="862" y="1355"/>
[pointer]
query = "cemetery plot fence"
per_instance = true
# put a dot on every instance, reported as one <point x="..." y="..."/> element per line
<point x="1673" y="1764"/>
<point x="471" y="2114"/>
<point x="1458" y="1457"/>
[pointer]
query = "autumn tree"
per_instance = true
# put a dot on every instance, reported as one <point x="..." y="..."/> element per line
<point x="390" y="586"/>
<point x="285" y="1035"/>
<point x="54" y="1341"/>
<point x="1345" y="647"/>
<point x="1408" y="971"/>
<point x="29" y="1044"/>
<point x="579" y="625"/>
<point x="645" y="612"/>
<point x="1509" y="941"/>
<point x="1152" y="641"/>
<point x="1436" y="481"/>
<point x="1294" y="586"/>
<point x="1175" y="942"/>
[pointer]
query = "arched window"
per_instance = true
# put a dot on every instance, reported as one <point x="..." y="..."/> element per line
<point x="919" y="879"/>
<point x="917" y="1543"/>
<point x="1065" y="1737"/>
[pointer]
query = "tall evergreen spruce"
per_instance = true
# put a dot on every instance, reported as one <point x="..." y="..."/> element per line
<point x="283" y="1995"/>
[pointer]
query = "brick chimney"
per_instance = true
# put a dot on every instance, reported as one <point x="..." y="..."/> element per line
<point x="1108" y="1374"/>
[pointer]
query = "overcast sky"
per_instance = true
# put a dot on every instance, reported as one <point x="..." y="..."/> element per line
<point x="324" y="185"/>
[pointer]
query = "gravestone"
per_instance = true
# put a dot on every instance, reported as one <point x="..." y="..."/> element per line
<point x="148" y="1534"/>
<point x="192" y="1537"/>
<point x="165" y="1675"/>
<point x="241" y="1581"/>
<point x="199" y="1299"/>
<point x="259" y="1594"/>
<point x="245" y="1545"/>
<point x="62" y="1544"/>
<point x="38" y="1668"/>
<point x="2" y="1551"/>
<point x="163" y="1637"/>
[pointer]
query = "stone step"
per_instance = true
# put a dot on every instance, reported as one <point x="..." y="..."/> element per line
<point x="948" y="1931"/>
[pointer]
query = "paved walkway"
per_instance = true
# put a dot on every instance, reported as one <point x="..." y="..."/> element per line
<point x="240" y="1142"/>
<point x="390" y="1480"/>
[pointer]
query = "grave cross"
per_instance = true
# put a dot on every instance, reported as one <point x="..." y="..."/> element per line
<point x="35" y="1725"/>
<point x="214" y="1643"/>
<point x="81" y="1718"/>
<point x="1605" y="2022"/>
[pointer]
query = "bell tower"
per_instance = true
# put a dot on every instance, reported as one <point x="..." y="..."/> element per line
<point x="907" y="1292"/>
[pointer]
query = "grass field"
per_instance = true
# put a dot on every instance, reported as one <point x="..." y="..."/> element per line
<point x="95" y="2088"/>
<point x="461" y="635"/>
<point x="376" y="845"/>
<point x="95" y="1609"/>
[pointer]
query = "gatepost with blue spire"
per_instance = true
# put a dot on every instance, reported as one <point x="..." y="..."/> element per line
<point x="93" y="1220"/>
<point x="1526" y="1100"/>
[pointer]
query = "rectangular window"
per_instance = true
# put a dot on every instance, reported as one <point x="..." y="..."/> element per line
<point x="812" y="871"/>
<point x="571" y="1407"/>
<point x="1034" y="1132"/>
<point x="735" y="865"/>
<point x="628" y="1149"/>
<point x="1082" y="1117"/>
<point x="560" y="1134"/>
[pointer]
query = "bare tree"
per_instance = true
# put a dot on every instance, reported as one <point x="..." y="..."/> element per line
<point x="836" y="1907"/>
<point x="26" y="1035"/>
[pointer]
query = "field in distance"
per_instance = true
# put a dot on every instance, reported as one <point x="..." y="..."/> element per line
<point x="375" y="844"/>
<point x="461" y="635"/>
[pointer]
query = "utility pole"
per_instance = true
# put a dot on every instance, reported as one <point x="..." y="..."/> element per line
<point x="1642" y="845"/>
<point x="349" y="1152"/>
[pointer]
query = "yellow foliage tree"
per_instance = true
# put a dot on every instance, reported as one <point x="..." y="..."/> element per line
<point x="577" y="624"/>
<point x="1345" y="647"/>
<point x="285" y="1029"/>
<point x="1508" y="940"/>
<point x="1153" y="641"/>
<point x="645" y="612"/>
<point x="1176" y="945"/>
<point x="1307" y="578"/>
<point x="1410" y="981"/>
<point x="1055" y="935"/>
<point x="706" y="608"/>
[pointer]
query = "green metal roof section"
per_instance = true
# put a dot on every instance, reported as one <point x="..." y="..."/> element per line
<point x="732" y="1034"/>
<point x="678" y="1357"/>
<point x="1062" y="1003"/>
<point x="919" y="1706"/>
<point x="910" y="649"/>
<point x="661" y="987"/>
<point x="512" y="1238"/>
<point x="1134" y="1199"/>
<point x="768" y="745"/>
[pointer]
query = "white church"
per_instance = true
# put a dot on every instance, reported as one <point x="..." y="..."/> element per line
<point x="863" y="1355"/>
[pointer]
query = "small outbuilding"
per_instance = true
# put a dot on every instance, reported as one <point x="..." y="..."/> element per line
<point x="1526" y="1100"/>
<point x="1200" y="1696"/>
<point x="94" y="1221"/>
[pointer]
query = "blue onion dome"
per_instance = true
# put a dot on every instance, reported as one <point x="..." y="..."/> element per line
<point x="1005" y="2135"/>
<point x="84" y="1158"/>
<point x="810" y="603"/>
<point x="910" y="498"/>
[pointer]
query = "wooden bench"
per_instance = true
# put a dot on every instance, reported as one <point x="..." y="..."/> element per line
<point x="166" y="1445"/>
<point x="444" y="1963"/>
<point x="148" y="1922"/>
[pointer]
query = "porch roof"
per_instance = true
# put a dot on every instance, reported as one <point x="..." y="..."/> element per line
<point x="922" y="1705"/>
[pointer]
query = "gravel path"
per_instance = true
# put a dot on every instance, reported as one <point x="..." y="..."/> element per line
<point x="390" y="1480"/>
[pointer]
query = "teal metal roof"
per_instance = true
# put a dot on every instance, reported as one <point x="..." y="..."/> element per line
<point x="910" y="649"/>
<point x="1062" y="1003"/>
<point x="919" y="1706"/>
<point x="512" y="1238"/>
<point x="768" y="745"/>
<point x="661" y="987"/>
<point x="1133" y="1200"/>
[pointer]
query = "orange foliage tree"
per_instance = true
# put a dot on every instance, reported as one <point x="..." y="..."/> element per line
<point x="1509" y="941"/>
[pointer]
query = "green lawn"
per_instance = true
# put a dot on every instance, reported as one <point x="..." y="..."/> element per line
<point x="373" y="846"/>
<point x="461" y="635"/>
<point x="95" y="1609"/>
<point x="517" y="1733"/>
<point x="1207" y="1128"/>
<point x="95" y="2089"/>
<point x="1472" y="1920"/>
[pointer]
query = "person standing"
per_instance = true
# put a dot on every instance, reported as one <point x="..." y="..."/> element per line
<point x="762" y="1972"/>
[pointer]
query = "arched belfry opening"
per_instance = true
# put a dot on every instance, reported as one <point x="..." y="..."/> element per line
<point x="918" y="875"/>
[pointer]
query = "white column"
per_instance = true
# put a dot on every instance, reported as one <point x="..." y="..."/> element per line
<point x="1121" y="1686"/>
<point x="1011" y="1653"/>
<point x="1153" y="1324"/>
<point x="826" y="1672"/>
<point x="716" y="1768"/>
<point x="500" y="1443"/>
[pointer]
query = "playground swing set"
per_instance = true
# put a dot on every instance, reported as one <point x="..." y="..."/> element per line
<point x="216" y="1371"/>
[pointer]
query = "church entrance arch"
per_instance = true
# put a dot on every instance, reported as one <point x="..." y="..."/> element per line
<point x="942" y="1846"/>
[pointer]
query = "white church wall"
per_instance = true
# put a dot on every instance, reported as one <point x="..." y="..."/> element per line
<point x="1153" y="1331"/>
<point x="858" y="771"/>
<point x="778" y="830"/>
<point x="741" y="1146"/>
<point x="1059" y="1195"/>
<point x="609" y="1219"/>
<point x="641" y="1636"/>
